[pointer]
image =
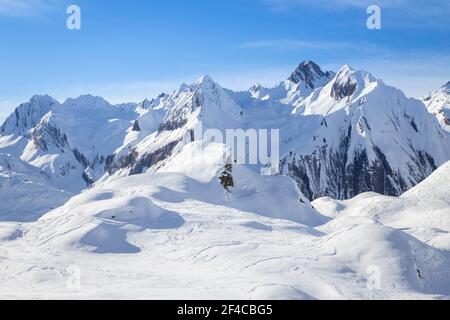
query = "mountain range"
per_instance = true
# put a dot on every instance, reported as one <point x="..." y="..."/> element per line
<point x="118" y="196"/>
<point x="341" y="134"/>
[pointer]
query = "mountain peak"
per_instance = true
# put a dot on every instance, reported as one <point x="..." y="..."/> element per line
<point x="87" y="100"/>
<point x="28" y="114"/>
<point x="309" y="73"/>
<point x="206" y="79"/>
<point x="346" y="69"/>
<point x="348" y="80"/>
<point x="45" y="98"/>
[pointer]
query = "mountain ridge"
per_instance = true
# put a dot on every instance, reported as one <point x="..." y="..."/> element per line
<point x="334" y="131"/>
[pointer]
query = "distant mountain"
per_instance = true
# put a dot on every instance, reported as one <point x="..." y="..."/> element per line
<point x="307" y="77"/>
<point x="68" y="142"/>
<point x="341" y="134"/>
<point x="356" y="134"/>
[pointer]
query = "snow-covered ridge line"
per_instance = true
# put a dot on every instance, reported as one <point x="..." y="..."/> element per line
<point x="341" y="133"/>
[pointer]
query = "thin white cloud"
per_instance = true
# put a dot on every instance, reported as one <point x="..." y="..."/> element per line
<point x="418" y="13"/>
<point x="425" y="6"/>
<point x="18" y="8"/>
<point x="295" y="44"/>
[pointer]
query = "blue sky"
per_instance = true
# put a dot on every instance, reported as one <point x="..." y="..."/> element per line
<point x="129" y="50"/>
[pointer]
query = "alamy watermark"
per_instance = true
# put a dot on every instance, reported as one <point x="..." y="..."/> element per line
<point x="374" y="19"/>
<point x="73" y="22"/>
<point x="373" y="277"/>
<point x="73" y="281"/>
<point x="245" y="147"/>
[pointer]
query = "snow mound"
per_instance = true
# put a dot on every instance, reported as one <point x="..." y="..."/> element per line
<point x="403" y="262"/>
<point x="423" y="212"/>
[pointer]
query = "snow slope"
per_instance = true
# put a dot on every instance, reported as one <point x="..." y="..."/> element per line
<point x="423" y="211"/>
<point x="438" y="103"/>
<point x="25" y="192"/>
<point x="166" y="235"/>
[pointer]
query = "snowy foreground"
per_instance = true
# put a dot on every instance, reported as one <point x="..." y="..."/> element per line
<point x="180" y="235"/>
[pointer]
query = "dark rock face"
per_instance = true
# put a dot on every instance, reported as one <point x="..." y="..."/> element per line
<point x="340" y="175"/>
<point x="178" y="116"/>
<point x="136" y="126"/>
<point x="150" y="159"/>
<point x="171" y="125"/>
<point x="81" y="158"/>
<point x="226" y="179"/>
<point x="307" y="72"/>
<point x="137" y="163"/>
<point x="341" y="90"/>
<point x="45" y="134"/>
<point x="89" y="181"/>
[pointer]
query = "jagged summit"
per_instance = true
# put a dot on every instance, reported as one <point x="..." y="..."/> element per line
<point x="204" y="100"/>
<point x="306" y="78"/>
<point x="27" y="115"/>
<point x="349" y="81"/>
<point x="309" y="73"/>
<point x="205" y="79"/>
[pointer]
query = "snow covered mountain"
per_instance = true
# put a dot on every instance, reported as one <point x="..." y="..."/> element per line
<point x="438" y="103"/>
<point x="63" y="145"/>
<point x="204" y="101"/>
<point x="357" y="134"/>
<point x="307" y="77"/>
<point x="121" y="191"/>
<point x="68" y="142"/>
<point x="341" y="134"/>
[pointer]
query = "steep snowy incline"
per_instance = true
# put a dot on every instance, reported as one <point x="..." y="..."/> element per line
<point x="25" y="192"/>
<point x="438" y="103"/>
<point x="356" y="134"/>
<point x="203" y="102"/>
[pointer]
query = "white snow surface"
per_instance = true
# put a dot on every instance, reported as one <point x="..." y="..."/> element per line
<point x="122" y="194"/>
<point x="171" y="234"/>
<point x="438" y="103"/>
